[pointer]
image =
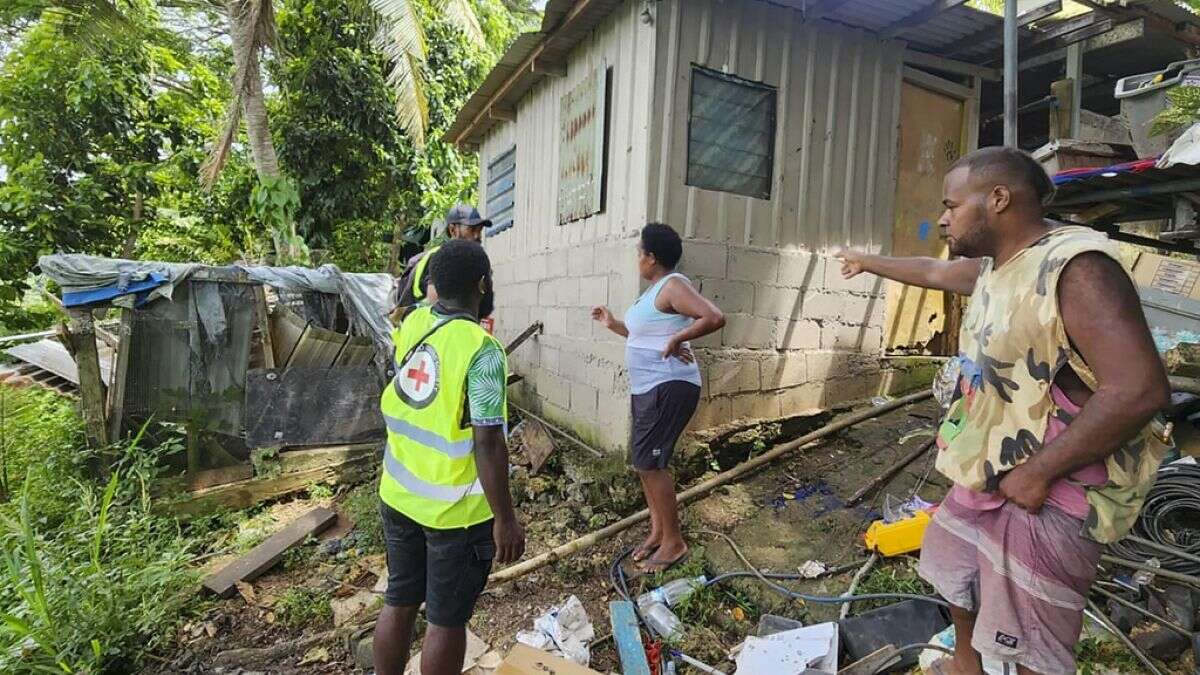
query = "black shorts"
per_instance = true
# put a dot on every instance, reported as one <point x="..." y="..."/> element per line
<point x="445" y="569"/>
<point x="659" y="418"/>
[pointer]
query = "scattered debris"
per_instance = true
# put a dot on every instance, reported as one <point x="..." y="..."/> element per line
<point x="903" y="623"/>
<point x="628" y="638"/>
<point x="265" y="555"/>
<point x="811" y="569"/>
<point x="525" y="660"/>
<point x="790" y="652"/>
<point x="945" y="639"/>
<point x="536" y="444"/>
<point x="564" y="630"/>
<point x="476" y="650"/>
<point x="314" y="655"/>
<point x="345" y="609"/>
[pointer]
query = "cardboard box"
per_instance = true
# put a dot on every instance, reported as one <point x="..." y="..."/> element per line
<point x="1177" y="276"/>
<point x="525" y="660"/>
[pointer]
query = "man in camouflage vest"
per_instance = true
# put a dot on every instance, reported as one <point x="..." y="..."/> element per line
<point x="1047" y="433"/>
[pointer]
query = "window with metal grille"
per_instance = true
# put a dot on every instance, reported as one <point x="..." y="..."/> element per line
<point x="731" y="134"/>
<point x="501" y="190"/>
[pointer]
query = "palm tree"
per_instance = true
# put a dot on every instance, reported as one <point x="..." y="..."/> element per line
<point x="252" y="29"/>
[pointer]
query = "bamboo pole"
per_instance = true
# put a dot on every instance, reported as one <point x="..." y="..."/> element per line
<point x="696" y="491"/>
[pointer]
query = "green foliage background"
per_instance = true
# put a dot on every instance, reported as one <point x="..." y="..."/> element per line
<point x="103" y="131"/>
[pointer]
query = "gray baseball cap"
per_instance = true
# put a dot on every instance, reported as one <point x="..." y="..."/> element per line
<point x="465" y="214"/>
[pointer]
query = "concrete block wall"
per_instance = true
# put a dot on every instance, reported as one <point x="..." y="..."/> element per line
<point x="575" y="371"/>
<point x="797" y="336"/>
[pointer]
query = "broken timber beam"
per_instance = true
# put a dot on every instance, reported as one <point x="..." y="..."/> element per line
<point x="697" y="491"/>
<point x="81" y="339"/>
<point x="264" y="556"/>
<point x="890" y="473"/>
<point x="535" y="328"/>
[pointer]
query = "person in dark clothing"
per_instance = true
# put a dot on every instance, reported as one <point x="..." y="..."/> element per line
<point x="462" y="222"/>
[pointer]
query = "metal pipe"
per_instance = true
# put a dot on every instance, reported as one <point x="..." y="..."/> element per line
<point x="1182" y="185"/>
<point x="1143" y="611"/>
<point x="1102" y="619"/>
<point x="1010" y="73"/>
<point x="1194" y="386"/>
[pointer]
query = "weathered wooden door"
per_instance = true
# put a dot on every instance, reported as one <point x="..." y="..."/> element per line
<point x="931" y="138"/>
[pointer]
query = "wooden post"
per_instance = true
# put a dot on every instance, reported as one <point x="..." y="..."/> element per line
<point x="116" y="389"/>
<point x="262" y="319"/>
<point x="81" y="337"/>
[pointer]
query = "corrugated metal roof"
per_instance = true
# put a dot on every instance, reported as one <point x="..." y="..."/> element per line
<point x="566" y="22"/>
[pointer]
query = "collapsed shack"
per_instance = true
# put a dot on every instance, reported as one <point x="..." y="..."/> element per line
<point x="273" y="373"/>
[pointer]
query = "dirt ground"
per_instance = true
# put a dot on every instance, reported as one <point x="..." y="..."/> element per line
<point x="790" y="512"/>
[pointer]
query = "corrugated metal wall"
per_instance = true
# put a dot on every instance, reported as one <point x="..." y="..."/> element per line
<point x="837" y="116"/>
<point x="626" y="45"/>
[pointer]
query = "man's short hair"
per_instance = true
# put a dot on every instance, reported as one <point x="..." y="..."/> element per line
<point x="662" y="241"/>
<point x="457" y="267"/>
<point x="1003" y="165"/>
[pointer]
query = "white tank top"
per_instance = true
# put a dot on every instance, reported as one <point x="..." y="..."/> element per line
<point x="649" y="332"/>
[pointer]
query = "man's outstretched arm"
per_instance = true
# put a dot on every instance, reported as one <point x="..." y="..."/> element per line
<point x="954" y="276"/>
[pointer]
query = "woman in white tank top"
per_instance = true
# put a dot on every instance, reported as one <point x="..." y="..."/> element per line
<point x="664" y="381"/>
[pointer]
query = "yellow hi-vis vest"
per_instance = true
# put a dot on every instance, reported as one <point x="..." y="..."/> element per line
<point x="418" y="290"/>
<point x="429" y="470"/>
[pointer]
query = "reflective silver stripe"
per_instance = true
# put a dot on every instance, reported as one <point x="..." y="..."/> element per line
<point x="452" y="449"/>
<point x="441" y="493"/>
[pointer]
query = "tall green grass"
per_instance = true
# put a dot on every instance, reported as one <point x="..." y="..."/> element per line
<point x="90" y="578"/>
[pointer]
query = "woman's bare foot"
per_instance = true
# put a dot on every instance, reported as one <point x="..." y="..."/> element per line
<point x="647" y="547"/>
<point x="669" y="554"/>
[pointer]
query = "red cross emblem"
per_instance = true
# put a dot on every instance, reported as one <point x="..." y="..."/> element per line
<point x="419" y="376"/>
<point x="417" y="379"/>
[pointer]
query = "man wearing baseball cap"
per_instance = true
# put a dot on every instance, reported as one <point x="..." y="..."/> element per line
<point x="462" y="222"/>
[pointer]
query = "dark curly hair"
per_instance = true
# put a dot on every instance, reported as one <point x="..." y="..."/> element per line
<point x="663" y="242"/>
<point x="457" y="267"/>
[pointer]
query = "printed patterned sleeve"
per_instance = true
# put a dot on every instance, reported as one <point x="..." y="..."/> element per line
<point x="487" y="386"/>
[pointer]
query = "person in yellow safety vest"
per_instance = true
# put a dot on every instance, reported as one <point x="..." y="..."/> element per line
<point x="445" y="505"/>
<point x="462" y="222"/>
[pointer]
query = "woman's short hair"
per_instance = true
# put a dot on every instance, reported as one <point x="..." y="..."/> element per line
<point x="663" y="242"/>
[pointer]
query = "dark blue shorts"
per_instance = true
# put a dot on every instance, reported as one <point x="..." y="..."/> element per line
<point x="445" y="569"/>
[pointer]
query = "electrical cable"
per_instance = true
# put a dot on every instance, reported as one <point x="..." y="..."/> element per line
<point x="926" y="645"/>
<point x="819" y="599"/>
<point x="1167" y="528"/>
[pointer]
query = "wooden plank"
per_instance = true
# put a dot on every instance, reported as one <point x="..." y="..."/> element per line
<point x="294" y="461"/>
<point x="120" y="369"/>
<point x="81" y="334"/>
<point x="537" y="443"/>
<point x="223" y="476"/>
<point x="247" y="493"/>
<point x="628" y="638"/>
<point x="262" y="324"/>
<point x="265" y="555"/>
<point x="935" y="83"/>
<point x="950" y="65"/>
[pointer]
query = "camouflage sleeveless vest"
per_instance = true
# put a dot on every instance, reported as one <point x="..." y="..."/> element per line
<point x="1012" y="344"/>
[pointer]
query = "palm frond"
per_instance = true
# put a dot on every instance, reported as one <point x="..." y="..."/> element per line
<point x="401" y="39"/>
<point x="461" y="15"/>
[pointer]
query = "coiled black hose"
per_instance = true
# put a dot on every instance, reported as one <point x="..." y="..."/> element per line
<point x="1169" y="526"/>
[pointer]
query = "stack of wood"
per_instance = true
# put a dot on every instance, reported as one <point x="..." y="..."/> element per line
<point x="1183" y="365"/>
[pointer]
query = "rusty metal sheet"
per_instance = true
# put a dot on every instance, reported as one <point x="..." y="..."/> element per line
<point x="312" y="406"/>
<point x="581" y="147"/>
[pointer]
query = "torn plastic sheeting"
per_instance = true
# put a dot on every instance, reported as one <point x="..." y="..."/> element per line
<point x="79" y="273"/>
<point x="564" y="631"/>
<point x="1185" y="150"/>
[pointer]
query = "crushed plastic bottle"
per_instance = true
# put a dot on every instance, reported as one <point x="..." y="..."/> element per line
<point x="1144" y="577"/>
<point x="662" y="621"/>
<point x="946" y="382"/>
<point x="671" y="593"/>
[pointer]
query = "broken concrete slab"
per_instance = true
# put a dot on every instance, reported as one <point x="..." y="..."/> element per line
<point x="264" y="556"/>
